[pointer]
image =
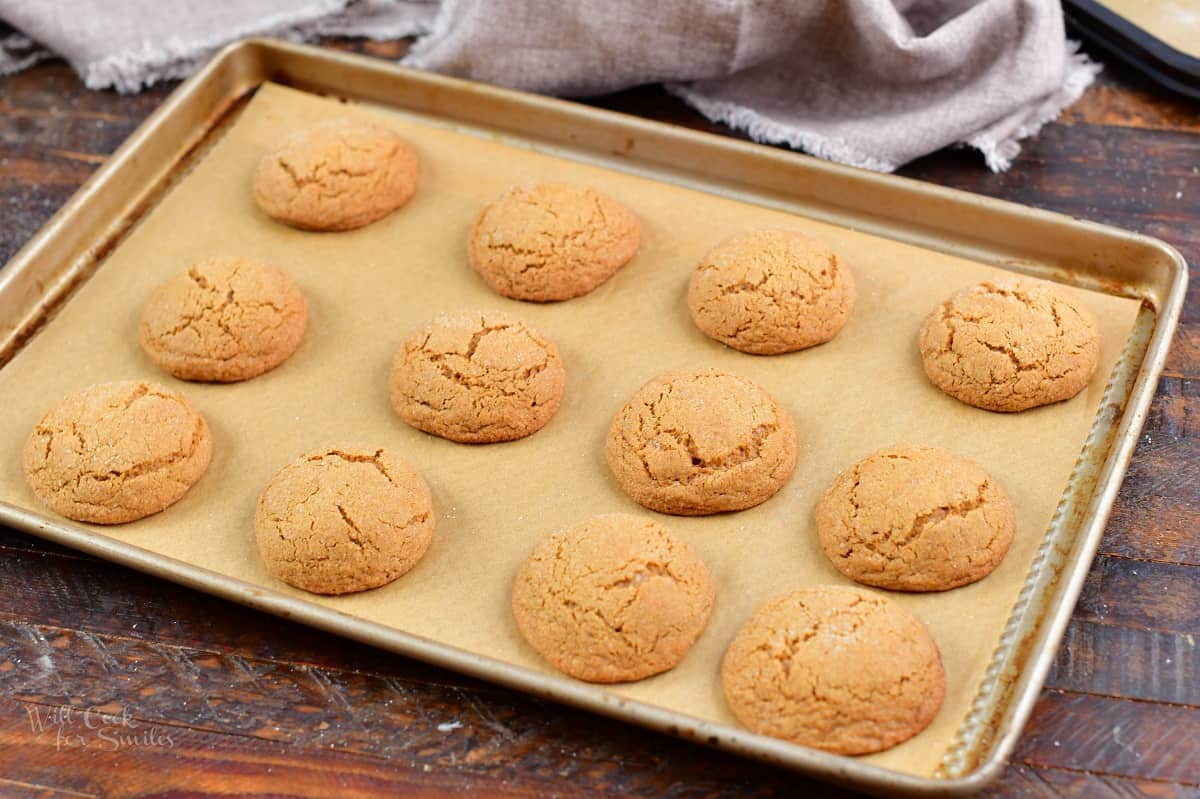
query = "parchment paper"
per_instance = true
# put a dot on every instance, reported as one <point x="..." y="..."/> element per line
<point x="368" y="288"/>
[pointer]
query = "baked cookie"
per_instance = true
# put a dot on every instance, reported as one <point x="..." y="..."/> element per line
<point x="116" y="452"/>
<point x="612" y="599"/>
<point x="343" y="519"/>
<point x="1009" y="345"/>
<point x="915" y="519"/>
<point x="336" y="175"/>
<point x="835" y="668"/>
<point x="552" y="241"/>
<point x="770" y="291"/>
<point x="223" y="320"/>
<point x="699" y="442"/>
<point x="477" y="377"/>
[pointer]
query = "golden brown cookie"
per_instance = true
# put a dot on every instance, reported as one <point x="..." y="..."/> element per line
<point x="116" y="452"/>
<point x="478" y="377"/>
<point x="336" y="175"/>
<point x="343" y="519"/>
<point x="1009" y="345"/>
<point x="915" y="519"/>
<point x="612" y="599"/>
<point x="552" y="241"/>
<point x="223" y="320"/>
<point x="770" y="291"/>
<point x="699" y="442"/>
<point x="835" y="668"/>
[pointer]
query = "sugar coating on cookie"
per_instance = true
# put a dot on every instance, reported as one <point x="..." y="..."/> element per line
<point x="343" y="519"/>
<point x="1010" y="345"/>
<point x="224" y="320"/>
<point x="915" y="519"/>
<point x="699" y="442"/>
<point x="477" y="377"/>
<point x="338" y="174"/>
<point x="552" y="241"/>
<point x="117" y="452"/>
<point x="835" y="668"/>
<point x="770" y="291"/>
<point x="612" y="599"/>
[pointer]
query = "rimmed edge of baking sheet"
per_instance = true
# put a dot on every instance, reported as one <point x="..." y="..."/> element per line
<point x="1152" y="50"/>
<point x="75" y="241"/>
<point x="1051" y="560"/>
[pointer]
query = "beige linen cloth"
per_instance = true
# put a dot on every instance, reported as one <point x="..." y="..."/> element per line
<point x="873" y="83"/>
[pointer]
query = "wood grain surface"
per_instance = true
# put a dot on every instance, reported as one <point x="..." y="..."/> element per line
<point x="117" y="684"/>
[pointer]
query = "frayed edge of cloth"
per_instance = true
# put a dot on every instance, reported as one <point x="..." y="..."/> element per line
<point x="998" y="153"/>
<point x="1081" y="72"/>
<point x="765" y="130"/>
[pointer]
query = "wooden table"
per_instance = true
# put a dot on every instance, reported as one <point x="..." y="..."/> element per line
<point x="209" y="698"/>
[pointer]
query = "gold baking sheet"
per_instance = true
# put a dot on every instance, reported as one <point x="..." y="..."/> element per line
<point x="368" y="288"/>
<point x="1174" y="22"/>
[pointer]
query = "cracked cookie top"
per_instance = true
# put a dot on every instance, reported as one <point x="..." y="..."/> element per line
<point x="336" y="175"/>
<point x="770" y="291"/>
<point x="117" y="452"/>
<point x="1010" y="345"/>
<point x="915" y="519"/>
<point x="343" y="519"/>
<point x="836" y="668"/>
<point x="552" y="241"/>
<point x="700" y="442"/>
<point x="612" y="599"/>
<point x="477" y="377"/>
<point x="223" y="320"/>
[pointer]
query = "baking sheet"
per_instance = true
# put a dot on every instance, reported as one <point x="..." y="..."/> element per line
<point x="367" y="288"/>
<point x="1174" y="22"/>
